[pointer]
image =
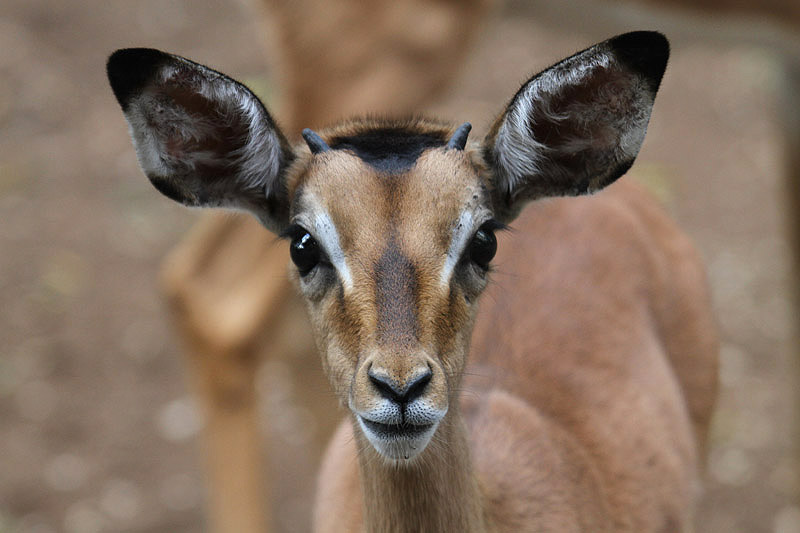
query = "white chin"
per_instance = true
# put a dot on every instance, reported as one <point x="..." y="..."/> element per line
<point x="395" y="442"/>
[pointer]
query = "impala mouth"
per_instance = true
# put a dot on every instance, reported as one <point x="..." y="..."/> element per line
<point x="396" y="431"/>
<point x="397" y="441"/>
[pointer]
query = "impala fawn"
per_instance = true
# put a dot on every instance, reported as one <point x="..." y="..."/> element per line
<point x="593" y="370"/>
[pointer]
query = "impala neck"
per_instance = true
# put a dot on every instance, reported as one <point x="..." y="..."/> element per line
<point x="438" y="492"/>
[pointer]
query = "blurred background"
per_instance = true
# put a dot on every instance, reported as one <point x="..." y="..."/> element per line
<point x="98" y="429"/>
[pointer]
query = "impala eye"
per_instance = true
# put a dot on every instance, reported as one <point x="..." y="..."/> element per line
<point x="484" y="245"/>
<point x="304" y="250"/>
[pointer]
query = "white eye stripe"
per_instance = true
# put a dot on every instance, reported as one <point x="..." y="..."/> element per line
<point x="461" y="235"/>
<point x="319" y="222"/>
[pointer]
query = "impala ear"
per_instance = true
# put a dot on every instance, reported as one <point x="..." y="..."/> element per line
<point x="202" y="138"/>
<point x="577" y="126"/>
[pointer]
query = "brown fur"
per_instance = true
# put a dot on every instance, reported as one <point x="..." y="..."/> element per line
<point x="594" y="357"/>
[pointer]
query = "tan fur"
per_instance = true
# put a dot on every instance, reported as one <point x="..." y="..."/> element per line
<point x="594" y="356"/>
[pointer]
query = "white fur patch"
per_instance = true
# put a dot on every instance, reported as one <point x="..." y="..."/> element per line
<point x="317" y="220"/>
<point x="613" y="121"/>
<point x="259" y="159"/>
<point x="155" y="122"/>
<point x="473" y="215"/>
<point x="462" y="233"/>
<point x="419" y="412"/>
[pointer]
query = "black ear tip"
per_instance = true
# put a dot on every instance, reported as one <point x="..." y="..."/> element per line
<point x="645" y="52"/>
<point x="130" y="69"/>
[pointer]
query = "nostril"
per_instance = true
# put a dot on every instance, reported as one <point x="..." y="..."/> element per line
<point x="417" y="386"/>
<point x="401" y="393"/>
<point x="385" y="385"/>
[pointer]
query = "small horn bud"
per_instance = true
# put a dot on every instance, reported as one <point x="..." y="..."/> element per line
<point x="459" y="139"/>
<point x="315" y="142"/>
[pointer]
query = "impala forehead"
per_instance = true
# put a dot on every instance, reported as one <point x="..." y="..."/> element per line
<point x="427" y="211"/>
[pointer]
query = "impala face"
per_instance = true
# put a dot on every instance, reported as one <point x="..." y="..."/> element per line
<point x="391" y="224"/>
<point x="391" y="253"/>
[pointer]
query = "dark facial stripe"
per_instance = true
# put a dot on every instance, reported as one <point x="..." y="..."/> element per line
<point x="388" y="150"/>
<point x="396" y="287"/>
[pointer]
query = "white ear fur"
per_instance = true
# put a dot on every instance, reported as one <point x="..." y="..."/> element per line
<point x="201" y="138"/>
<point x="577" y="126"/>
<point x="258" y="157"/>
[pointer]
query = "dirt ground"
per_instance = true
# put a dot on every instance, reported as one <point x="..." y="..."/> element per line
<point x="97" y="429"/>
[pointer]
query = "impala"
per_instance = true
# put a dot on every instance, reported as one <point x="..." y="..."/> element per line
<point x="592" y="373"/>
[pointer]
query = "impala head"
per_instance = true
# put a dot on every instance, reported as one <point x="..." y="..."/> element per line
<point x="391" y="224"/>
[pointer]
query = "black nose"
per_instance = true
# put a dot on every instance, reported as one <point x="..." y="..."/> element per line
<point x="401" y="393"/>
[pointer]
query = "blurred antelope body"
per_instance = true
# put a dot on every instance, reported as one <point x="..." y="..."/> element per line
<point x="593" y="375"/>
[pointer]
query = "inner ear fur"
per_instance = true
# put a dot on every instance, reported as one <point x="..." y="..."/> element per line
<point x="577" y="126"/>
<point x="202" y="138"/>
